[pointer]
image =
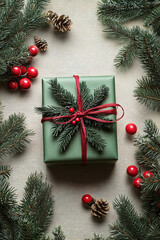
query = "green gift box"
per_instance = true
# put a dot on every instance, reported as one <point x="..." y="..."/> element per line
<point x="72" y="155"/>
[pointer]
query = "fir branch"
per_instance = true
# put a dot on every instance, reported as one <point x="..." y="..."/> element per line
<point x="1" y="113"/>
<point x="126" y="56"/>
<point x="100" y="125"/>
<point x="149" y="146"/>
<point x="62" y="96"/>
<point x="95" y="139"/>
<point x="5" y="171"/>
<point x="148" y="92"/>
<point x="116" y="31"/>
<point x="14" y="137"/>
<point x="16" y="22"/>
<point x="99" y="96"/>
<point x="67" y="136"/>
<point x="58" y="234"/>
<point x="129" y="224"/>
<point x="97" y="237"/>
<point x="51" y="111"/>
<point x="36" y="207"/>
<point x="125" y="10"/>
<point x="153" y="20"/>
<point x="86" y="95"/>
<point x="29" y="219"/>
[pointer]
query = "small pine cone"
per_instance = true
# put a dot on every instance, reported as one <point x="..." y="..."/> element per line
<point x="62" y="24"/>
<point x="51" y="17"/>
<point x="100" y="208"/>
<point x="41" y="44"/>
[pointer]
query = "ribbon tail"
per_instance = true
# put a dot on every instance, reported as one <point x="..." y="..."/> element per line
<point x="83" y="143"/>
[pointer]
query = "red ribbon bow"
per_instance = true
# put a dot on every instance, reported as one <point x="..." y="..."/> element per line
<point x="81" y="114"/>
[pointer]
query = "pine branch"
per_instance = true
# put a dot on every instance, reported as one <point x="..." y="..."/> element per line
<point x="86" y="95"/>
<point x="153" y="20"/>
<point x="148" y="92"/>
<point x="58" y="234"/>
<point x="14" y="137"/>
<point x="97" y="237"/>
<point x="1" y="113"/>
<point x="126" y="56"/>
<point x="5" y="171"/>
<point x="129" y="224"/>
<point x="116" y="31"/>
<point x="36" y="208"/>
<point x="8" y="205"/>
<point x="99" y="125"/>
<point x="125" y="10"/>
<point x="95" y="139"/>
<point x="51" y="111"/>
<point x="149" y="146"/>
<point x="67" y="136"/>
<point x="29" y="219"/>
<point x="61" y="95"/>
<point x="99" y="96"/>
<point x="16" y="22"/>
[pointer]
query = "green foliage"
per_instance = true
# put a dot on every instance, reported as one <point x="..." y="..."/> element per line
<point x="30" y="218"/>
<point x="137" y="42"/>
<point x="5" y="171"/>
<point x="58" y="234"/>
<point x="149" y="146"/>
<point x="17" y="20"/>
<point x="98" y="237"/>
<point x="66" y="132"/>
<point x="14" y="137"/>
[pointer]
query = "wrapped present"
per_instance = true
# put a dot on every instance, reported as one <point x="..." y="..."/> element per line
<point x="74" y="129"/>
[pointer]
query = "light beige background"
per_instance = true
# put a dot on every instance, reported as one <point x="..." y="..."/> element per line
<point x="84" y="51"/>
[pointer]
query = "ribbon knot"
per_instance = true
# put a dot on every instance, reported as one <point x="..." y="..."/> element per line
<point x="87" y="114"/>
<point x="79" y="114"/>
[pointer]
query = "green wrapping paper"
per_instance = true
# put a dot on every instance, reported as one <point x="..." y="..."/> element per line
<point x="72" y="155"/>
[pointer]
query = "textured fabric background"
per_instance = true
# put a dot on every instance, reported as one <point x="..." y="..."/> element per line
<point x="84" y="51"/>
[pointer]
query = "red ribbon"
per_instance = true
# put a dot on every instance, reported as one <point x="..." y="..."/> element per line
<point x="81" y="114"/>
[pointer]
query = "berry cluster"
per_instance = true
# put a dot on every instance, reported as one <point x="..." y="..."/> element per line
<point x="71" y="110"/>
<point x="137" y="182"/>
<point x="26" y="74"/>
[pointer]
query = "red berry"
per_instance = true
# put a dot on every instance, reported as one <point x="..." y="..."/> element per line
<point x="147" y="174"/>
<point x="71" y="110"/>
<point x="73" y="122"/>
<point x="33" y="50"/>
<point x="25" y="83"/>
<point x="137" y="183"/>
<point x="132" y="170"/>
<point x="77" y="119"/>
<point x="131" y="128"/>
<point x="159" y="191"/>
<point x="13" y="85"/>
<point x="16" y="71"/>
<point x="32" y="72"/>
<point x="87" y="199"/>
<point x="23" y="70"/>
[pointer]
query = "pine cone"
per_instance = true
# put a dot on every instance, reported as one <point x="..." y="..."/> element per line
<point x="41" y="44"/>
<point x="100" y="208"/>
<point x="63" y="24"/>
<point x="51" y="17"/>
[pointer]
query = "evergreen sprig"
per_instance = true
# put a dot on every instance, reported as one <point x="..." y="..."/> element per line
<point x="17" y="19"/>
<point x="65" y="133"/>
<point x="14" y="137"/>
<point x="58" y="234"/>
<point x="29" y="219"/>
<point x="137" y="42"/>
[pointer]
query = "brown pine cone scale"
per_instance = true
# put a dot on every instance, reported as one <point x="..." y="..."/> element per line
<point x="41" y="44"/>
<point x="100" y="208"/>
<point x="61" y="24"/>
